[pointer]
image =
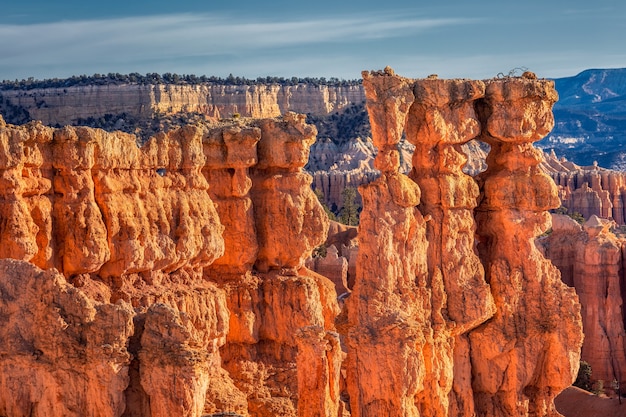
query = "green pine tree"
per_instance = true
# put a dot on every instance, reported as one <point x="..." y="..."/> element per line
<point x="350" y="212"/>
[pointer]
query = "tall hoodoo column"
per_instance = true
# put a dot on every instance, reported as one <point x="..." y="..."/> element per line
<point x="230" y="152"/>
<point x="529" y="351"/>
<point x="493" y="333"/>
<point x="281" y="314"/>
<point x="387" y="309"/>
<point x="441" y="119"/>
<point x="290" y="221"/>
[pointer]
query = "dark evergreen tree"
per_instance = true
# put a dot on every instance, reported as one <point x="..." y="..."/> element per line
<point x="350" y="212"/>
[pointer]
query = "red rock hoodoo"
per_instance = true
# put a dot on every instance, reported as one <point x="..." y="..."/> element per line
<point x="493" y="335"/>
<point x="590" y="258"/>
<point x="591" y="190"/>
<point x="170" y="278"/>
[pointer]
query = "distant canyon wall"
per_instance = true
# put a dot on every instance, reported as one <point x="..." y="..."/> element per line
<point x="64" y="106"/>
<point x="592" y="191"/>
<point x="591" y="259"/>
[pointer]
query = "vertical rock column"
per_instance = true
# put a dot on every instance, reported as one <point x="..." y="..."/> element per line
<point x="596" y="276"/>
<point x="78" y="224"/>
<point x="25" y="207"/>
<point x="281" y="314"/>
<point x="440" y="121"/>
<point x="388" y="309"/>
<point x="290" y="221"/>
<point x="529" y="351"/>
<point x="230" y="152"/>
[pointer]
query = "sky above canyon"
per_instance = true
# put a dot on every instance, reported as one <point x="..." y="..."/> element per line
<point x="555" y="38"/>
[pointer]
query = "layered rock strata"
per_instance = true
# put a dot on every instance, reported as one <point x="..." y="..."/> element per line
<point x="590" y="258"/>
<point x="67" y="105"/>
<point x="159" y="308"/>
<point x="592" y="191"/>
<point x="176" y="269"/>
<point x="470" y="335"/>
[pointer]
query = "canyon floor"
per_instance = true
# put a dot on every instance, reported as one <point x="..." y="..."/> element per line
<point x="576" y="402"/>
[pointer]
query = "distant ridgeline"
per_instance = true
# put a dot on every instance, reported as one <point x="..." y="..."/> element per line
<point x="149" y="103"/>
<point x="590" y="114"/>
<point x="591" y="118"/>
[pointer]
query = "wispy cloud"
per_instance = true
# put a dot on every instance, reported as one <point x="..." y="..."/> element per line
<point x="183" y="36"/>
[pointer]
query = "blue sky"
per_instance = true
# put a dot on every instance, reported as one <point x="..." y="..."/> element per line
<point x="320" y="38"/>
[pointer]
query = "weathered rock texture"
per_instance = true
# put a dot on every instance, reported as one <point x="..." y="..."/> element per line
<point x="441" y="119"/>
<point x="170" y="277"/>
<point x="460" y="346"/>
<point x="67" y="105"/>
<point x="590" y="258"/>
<point x="61" y="352"/>
<point x="155" y="300"/>
<point x="529" y="351"/>
<point x="591" y="190"/>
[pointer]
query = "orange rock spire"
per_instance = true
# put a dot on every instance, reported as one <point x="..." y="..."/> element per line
<point x="529" y="351"/>
<point x="421" y="294"/>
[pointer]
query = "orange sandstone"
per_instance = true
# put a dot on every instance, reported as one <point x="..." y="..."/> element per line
<point x="590" y="259"/>
<point x="181" y="287"/>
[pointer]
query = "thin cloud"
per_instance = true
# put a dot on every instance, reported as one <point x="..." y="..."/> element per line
<point x="75" y="43"/>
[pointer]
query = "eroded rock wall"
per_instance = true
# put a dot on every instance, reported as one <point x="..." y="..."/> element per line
<point x="590" y="258"/>
<point x="477" y="333"/>
<point x="186" y="257"/>
<point x="140" y="238"/>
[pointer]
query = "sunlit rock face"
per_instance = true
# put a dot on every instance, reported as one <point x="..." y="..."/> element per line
<point x="155" y="247"/>
<point x="476" y="330"/>
<point x="529" y="351"/>
<point x="172" y="275"/>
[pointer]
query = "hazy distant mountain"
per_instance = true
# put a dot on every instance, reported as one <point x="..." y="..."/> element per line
<point x="591" y="118"/>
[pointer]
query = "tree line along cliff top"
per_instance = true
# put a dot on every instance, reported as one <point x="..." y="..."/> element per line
<point x="166" y="78"/>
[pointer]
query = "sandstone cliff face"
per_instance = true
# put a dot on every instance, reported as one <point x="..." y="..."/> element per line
<point x="129" y="226"/>
<point x="181" y="273"/>
<point x="590" y="259"/>
<point x="67" y="105"/>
